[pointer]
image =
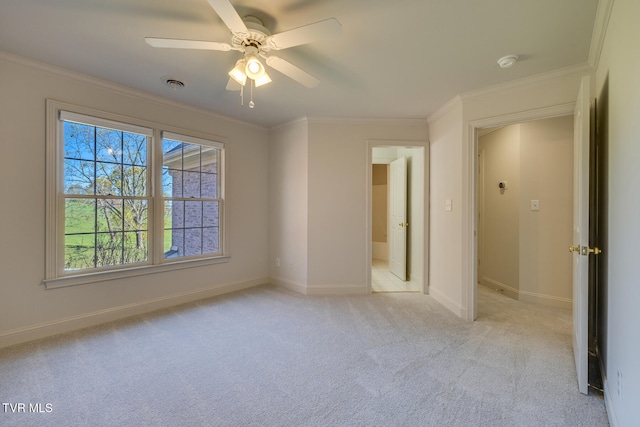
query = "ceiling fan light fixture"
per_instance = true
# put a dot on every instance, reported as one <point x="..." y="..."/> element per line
<point x="237" y="73"/>
<point x="263" y="79"/>
<point x="254" y="68"/>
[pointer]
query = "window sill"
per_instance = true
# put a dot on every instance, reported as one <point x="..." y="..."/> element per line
<point x="102" y="276"/>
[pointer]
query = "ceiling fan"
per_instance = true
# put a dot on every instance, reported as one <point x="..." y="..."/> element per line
<point x="250" y="37"/>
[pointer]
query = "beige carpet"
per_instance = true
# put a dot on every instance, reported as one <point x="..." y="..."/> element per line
<point x="270" y="357"/>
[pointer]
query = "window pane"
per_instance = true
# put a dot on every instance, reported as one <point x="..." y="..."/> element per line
<point x="108" y="145"/>
<point x="193" y="241"/>
<point x="172" y="154"/>
<point x="173" y="214"/>
<point x="191" y="184"/>
<point x="193" y="214"/>
<point x="79" y="230"/>
<point x="79" y="251"/>
<point x="134" y="181"/>
<point x="191" y="157"/>
<point x="176" y="245"/>
<point x="210" y="240"/>
<point x="108" y="249"/>
<point x="209" y="159"/>
<point x="209" y="185"/>
<point x="134" y="149"/>
<point x="79" y="176"/>
<point x="135" y="215"/>
<point x="80" y="216"/>
<point x="135" y="244"/>
<point x="109" y="215"/>
<point x="171" y="182"/>
<point x="79" y="141"/>
<point x="108" y="179"/>
<point x="210" y="214"/>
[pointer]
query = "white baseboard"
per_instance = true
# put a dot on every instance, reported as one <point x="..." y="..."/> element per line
<point x="329" y="290"/>
<point x="501" y="287"/>
<point x="548" y="300"/>
<point x="288" y="284"/>
<point x="447" y="302"/>
<point x="319" y="290"/>
<point x="380" y="250"/>
<point x="72" y="323"/>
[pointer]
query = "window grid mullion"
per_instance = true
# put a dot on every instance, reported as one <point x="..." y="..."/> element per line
<point x="95" y="191"/>
<point x="124" y="204"/>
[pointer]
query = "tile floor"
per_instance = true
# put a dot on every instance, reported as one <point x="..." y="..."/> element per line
<point x="383" y="280"/>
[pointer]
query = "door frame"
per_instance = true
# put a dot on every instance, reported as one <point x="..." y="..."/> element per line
<point x="470" y="195"/>
<point x="423" y="237"/>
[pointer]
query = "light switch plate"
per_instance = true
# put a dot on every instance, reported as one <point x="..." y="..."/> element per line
<point x="447" y="205"/>
<point x="535" y="205"/>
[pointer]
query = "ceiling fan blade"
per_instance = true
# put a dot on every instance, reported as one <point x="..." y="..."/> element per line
<point x="305" y="34"/>
<point x="187" y="44"/>
<point x="229" y="16"/>
<point x="293" y="72"/>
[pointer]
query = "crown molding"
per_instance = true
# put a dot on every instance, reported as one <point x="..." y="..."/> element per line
<point x="289" y="123"/>
<point x="368" y="120"/>
<point x="446" y="108"/>
<point x="578" y="69"/>
<point x="603" y="14"/>
<point x="116" y="88"/>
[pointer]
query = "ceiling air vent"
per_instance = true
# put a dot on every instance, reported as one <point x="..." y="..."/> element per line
<point x="173" y="83"/>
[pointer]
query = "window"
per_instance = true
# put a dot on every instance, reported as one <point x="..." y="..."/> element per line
<point x="190" y="189"/>
<point x="104" y="219"/>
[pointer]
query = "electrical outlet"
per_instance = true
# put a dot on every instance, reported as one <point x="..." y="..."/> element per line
<point x="277" y="262"/>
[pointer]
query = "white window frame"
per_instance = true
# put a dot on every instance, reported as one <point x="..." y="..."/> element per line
<point x="55" y="276"/>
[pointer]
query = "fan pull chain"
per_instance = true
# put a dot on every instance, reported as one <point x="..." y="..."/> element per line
<point x="251" y="103"/>
<point x="242" y="95"/>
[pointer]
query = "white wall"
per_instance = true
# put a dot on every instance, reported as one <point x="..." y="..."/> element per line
<point x="338" y="170"/>
<point x="289" y="204"/>
<point x="445" y="242"/>
<point x="523" y="252"/>
<point x="499" y="221"/>
<point x="452" y="156"/>
<point x="29" y="311"/>
<point x="617" y="80"/>
<point x="546" y="174"/>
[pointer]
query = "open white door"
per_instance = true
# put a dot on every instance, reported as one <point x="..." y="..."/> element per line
<point x="398" y="218"/>
<point x="580" y="246"/>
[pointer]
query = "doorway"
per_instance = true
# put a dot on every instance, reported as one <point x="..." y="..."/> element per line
<point x="470" y="195"/>
<point x="382" y="197"/>
<point x="525" y="210"/>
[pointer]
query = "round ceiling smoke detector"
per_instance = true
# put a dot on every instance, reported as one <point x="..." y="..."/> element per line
<point x="173" y="83"/>
<point x="507" y="61"/>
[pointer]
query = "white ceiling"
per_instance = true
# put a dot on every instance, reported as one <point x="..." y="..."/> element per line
<point x="394" y="59"/>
